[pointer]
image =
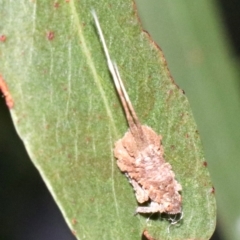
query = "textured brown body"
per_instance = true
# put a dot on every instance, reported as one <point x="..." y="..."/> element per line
<point x="150" y="175"/>
<point x="140" y="155"/>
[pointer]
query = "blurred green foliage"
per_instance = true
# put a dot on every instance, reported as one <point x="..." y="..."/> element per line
<point x="194" y="42"/>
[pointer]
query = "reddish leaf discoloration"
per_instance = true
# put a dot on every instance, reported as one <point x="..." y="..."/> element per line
<point x="4" y="89"/>
<point x="74" y="221"/>
<point x="50" y="35"/>
<point x="56" y="5"/>
<point x="3" y="38"/>
<point x="147" y="236"/>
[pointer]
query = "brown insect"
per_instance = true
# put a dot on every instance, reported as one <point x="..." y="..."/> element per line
<point x="139" y="155"/>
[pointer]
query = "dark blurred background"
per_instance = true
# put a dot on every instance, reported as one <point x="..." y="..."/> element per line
<point x="27" y="210"/>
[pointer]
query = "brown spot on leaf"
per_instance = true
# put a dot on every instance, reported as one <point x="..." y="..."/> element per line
<point x="56" y="5"/>
<point x="173" y="147"/>
<point x="88" y="139"/>
<point x="74" y="221"/>
<point x="205" y="164"/>
<point x="213" y="190"/>
<point x="50" y="35"/>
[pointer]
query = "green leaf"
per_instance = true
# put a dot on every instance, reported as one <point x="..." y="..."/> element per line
<point x="68" y="115"/>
